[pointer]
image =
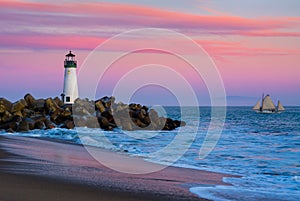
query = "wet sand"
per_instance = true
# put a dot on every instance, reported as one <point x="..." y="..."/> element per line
<point x="42" y="169"/>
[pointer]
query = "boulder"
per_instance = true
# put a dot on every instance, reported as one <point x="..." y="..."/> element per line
<point x="18" y="113"/>
<point x="92" y="122"/>
<point x="5" y="105"/>
<point x="9" y="125"/>
<point x="172" y="124"/>
<point x="104" y="123"/>
<point x="54" y="115"/>
<point x="13" y="126"/>
<point x="153" y="115"/>
<point x="80" y="121"/>
<point x="31" y="123"/>
<point x="109" y="116"/>
<point x="39" y="106"/>
<point x="86" y="105"/>
<point x="147" y="120"/>
<point x="6" y="117"/>
<point x="38" y="122"/>
<point x="27" y="113"/>
<point x="49" y="124"/>
<point x="127" y="125"/>
<point x="39" y="125"/>
<point x="66" y="113"/>
<point x="2" y="109"/>
<point x="30" y="100"/>
<point x="145" y="108"/>
<point x="30" y="113"/>
<point x="23" y="126"/>
<point x="58" y="102"/>
<point x="120" y="107"/>
<point x="139" y="124"/>
<point x="18" y="106"/>
<point x="141" y="114"/>
<point x="100" y="106"/>
<point x="10" y="130"/>
<point x="51" y="105"/>
<point x="107" y="101"/>
<point x="17" y="119"/>
<point x="69" y="124"/>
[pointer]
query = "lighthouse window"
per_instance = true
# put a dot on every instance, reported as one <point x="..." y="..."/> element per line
<point x="68" y="99"/>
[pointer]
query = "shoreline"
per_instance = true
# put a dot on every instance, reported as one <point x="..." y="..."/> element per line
<point x="59" y="170"/>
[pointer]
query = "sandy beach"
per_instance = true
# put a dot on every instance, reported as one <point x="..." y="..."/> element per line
<point x="42" y="169"/>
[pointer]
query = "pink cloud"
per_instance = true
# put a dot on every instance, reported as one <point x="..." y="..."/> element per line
<point x="86" y="25"/>
<point x="220" y="48"/>
<point x="50" y="41"/>
<point x="96" y="14"/>
<point x="268" y="33"/>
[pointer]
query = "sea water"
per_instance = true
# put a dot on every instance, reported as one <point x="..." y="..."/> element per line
<point x="263" y="150"/>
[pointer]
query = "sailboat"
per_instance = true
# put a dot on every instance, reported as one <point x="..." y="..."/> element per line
<point x="267" y="106"/>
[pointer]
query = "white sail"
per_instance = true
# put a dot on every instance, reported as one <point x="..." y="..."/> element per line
<point x="268" y="104"/>
<point x="256" y="106"/>
<point x="280" y="107"/>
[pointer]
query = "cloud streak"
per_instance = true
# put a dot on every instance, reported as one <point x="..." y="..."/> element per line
<point x="33" y="25"/>
<point x="124" y="15"/>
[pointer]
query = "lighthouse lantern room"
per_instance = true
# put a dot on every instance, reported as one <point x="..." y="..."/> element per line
<point x="70" y="92"/>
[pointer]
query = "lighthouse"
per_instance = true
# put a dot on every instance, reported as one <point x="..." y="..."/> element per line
<point x="70" y="92"/>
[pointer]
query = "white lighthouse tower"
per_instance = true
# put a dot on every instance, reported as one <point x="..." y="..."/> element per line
<point x="70" y="93"/>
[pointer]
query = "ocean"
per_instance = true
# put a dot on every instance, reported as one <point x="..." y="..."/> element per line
<point x="262" y="150"/>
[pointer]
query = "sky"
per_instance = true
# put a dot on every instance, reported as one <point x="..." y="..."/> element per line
<point x="254" y="44"/>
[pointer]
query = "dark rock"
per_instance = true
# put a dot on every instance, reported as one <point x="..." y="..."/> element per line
<point x="39" y="122"/>
<point x="68" y="124"/>
<point x="5" y="105"/>
<point x="127" y="125"/>
<point x="80" y="121"/>
<point x="86" y="106"/>
<point x="147" y="120"/>
<point x="145" y="108"/>
<point x="58" y="102"/>
<point x="10" y="125"/>
<point x="139" y="123"/>
<point x="54" y="116"/>
<point x="39" y="106"/>
<point x="39" y="125"/>
<point x="6" y="117"/>
<point x="92" y="122"/>
<point x="66" y="113"/>
<point x="17" y="118"/>
<point x="2" y="109"/>
<point x="153" y="115"/>
<point x="108" y="115"/>
<point x="18" y="106"/>
<point x="50" y="105"/>
<point x="49" y="124"/>
<point x="10" y="130"/>
<point x="104" y="123"/>
<point x="100" y="106"/>
<point x="31" y="123"/>
<point x="28" y="113"/>
<point x="23" y="126"/>
<point x="30" y="100"/>
<point x="18" y="113"/>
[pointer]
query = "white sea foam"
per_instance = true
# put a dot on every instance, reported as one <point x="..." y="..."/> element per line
<point x="228" y="193"/>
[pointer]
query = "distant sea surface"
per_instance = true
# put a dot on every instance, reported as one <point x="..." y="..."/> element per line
<point x="263" y="149"/>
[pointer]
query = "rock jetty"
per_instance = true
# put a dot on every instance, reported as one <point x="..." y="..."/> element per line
<point x="30" y="113"/>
